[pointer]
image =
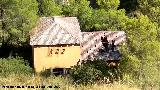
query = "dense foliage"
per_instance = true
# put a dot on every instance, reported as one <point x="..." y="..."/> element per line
<point x="94" y="71"/>
<point x="141" y="54"/>
<point x="17" y="19"/>
<point x="140" y="19"/>
<point x="16" y="66"/>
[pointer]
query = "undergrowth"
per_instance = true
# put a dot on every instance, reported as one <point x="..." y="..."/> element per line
<point x="18" y="66"/>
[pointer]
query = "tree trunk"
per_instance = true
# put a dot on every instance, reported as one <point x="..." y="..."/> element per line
<point x="40" y="10"/>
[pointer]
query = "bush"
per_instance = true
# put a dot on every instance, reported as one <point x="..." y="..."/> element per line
<point x="16" y="65"/>
<point x="90" y="72"/>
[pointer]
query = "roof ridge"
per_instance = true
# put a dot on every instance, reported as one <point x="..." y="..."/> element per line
<point x="65" y="30"/>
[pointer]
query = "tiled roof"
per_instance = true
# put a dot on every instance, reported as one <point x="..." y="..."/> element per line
<point x="56" y="30"/>
<point x="91" y="44"/>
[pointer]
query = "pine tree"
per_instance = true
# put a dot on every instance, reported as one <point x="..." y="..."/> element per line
<point x="151" y="8"/>
<point x="17" y="19"/>
<point x="49" y="7"/>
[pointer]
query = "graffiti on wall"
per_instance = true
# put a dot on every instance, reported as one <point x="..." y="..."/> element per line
<point x="54" y="51"/>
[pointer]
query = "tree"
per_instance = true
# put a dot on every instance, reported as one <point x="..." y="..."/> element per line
<point x="141" y="54"/>
<point x="71" y="9"/>
<point x="151" y="8"/>
<point x="17" y="19"/>
<point x="111" y="20"/>
<point x="82" y="10"/>
<point x="128" y="5"/>
<point x="49" y="8"/>
<point x="106" y="17"/>
<point x="108" y="4"/>
<point x="4" y="7"/>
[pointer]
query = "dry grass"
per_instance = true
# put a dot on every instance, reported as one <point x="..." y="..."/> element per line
<point x="105" y="87"/>
<point x="63" y="83"/>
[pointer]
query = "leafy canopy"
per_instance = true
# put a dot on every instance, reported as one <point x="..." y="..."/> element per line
<point x="17" y="18"/>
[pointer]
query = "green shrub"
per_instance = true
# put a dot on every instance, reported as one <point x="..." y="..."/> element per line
<point x="16" y="65"/>
<point x="46" y="73"/>
<point x="90" y="72"/>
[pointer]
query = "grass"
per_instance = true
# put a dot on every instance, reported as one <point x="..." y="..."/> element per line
<point x="16" y="72"/>
<point x="62" y="82"/>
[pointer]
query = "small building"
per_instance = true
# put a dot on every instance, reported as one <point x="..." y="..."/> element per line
<point x="55" y="43"/>
<point x="58" y="42"/>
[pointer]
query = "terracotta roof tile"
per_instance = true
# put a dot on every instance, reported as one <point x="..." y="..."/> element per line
<point x="91" y="44"/>
<point x="56" y="30"/>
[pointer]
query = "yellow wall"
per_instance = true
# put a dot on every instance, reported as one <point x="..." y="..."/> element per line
<point x="43" y="59"/>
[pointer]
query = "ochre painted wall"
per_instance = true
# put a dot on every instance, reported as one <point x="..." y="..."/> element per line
<point x="50" y="57"/>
